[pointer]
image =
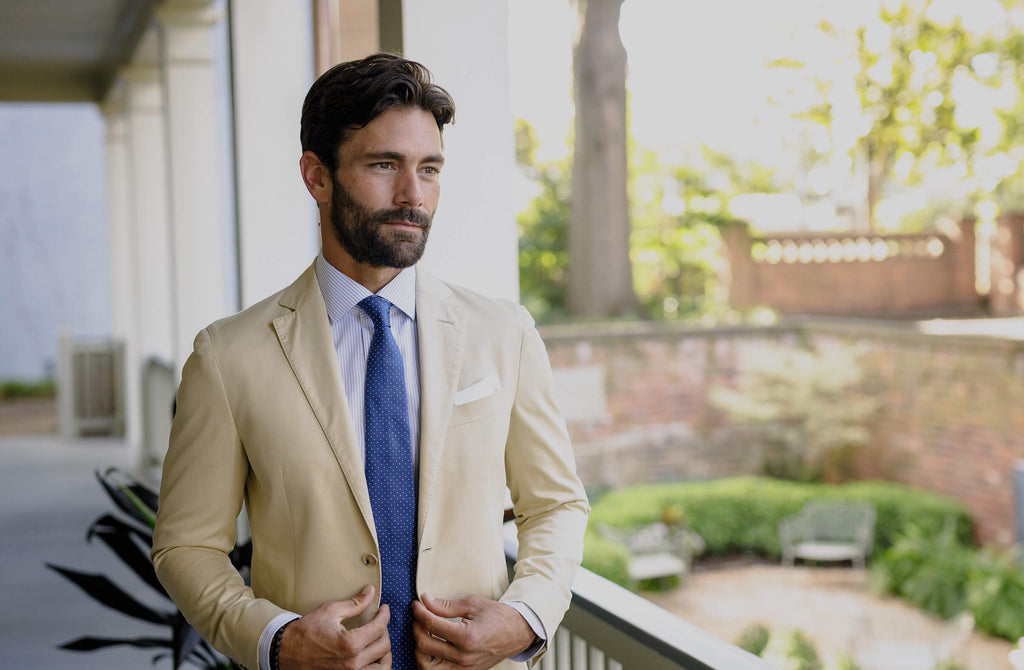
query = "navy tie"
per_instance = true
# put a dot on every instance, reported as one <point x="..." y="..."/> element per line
<point x="390" y="479"/>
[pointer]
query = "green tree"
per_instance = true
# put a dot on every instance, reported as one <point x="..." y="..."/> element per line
<point x="600" y="277"/>
<point x="675" y="245"/>
<point x="543" y="231"/>
<point x="893" y="99"/>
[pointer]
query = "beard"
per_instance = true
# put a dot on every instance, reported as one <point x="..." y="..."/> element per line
<point x="362" y="233"/>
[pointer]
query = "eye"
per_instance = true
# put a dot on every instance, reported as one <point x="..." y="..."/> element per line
<point x="432" y="169"/>
<point x="384" y="165"/>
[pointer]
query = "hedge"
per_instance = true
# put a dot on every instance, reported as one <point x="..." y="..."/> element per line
<point x="741" y="515"/>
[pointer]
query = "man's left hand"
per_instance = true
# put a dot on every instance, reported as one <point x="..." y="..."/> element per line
<point x="488" y="632"/>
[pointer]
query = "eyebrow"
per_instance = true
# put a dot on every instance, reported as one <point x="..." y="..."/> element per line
<point x="396" y="156"/>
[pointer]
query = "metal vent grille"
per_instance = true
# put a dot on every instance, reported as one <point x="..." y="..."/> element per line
<point x="92" y="388"/>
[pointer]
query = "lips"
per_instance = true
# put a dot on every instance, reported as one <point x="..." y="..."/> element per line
<point x="402" y="217"/>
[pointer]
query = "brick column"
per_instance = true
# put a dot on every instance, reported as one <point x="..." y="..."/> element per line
<point x="1007" y="264"/>
<point x="739" y="278"/>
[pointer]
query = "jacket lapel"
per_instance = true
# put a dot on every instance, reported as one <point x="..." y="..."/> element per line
<point x="441" y="328"/>
<point x="305" y="336"/>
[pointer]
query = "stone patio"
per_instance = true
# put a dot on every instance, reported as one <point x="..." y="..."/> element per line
<point x="831" y="605"/>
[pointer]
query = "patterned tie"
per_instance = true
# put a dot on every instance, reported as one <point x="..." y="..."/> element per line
<point x="389" y="477"/>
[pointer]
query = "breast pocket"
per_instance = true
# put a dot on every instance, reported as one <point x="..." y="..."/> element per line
<point x="480" y="409"/>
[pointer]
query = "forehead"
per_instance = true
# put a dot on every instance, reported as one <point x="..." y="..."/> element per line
<point x="408" y="131"/>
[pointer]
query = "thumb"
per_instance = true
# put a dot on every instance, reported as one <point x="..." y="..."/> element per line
<point x="354" y="606"/>
<point x="442" y="607"/>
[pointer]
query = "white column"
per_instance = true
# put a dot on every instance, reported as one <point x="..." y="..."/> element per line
<point x="123" y="268"/>
<point x="474" y="241"/>
<point x="200" y="232"/>
<point x="272" y="58"/>
<point x="149" y="211"/>
<point x="150" y="221"/>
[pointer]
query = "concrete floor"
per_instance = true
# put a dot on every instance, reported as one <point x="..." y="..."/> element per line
<point x="48" y="498"/>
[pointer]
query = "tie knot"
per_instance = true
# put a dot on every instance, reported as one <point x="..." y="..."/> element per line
<point x="378" y="309"/>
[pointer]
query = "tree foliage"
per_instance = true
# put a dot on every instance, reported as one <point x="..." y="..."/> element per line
<point x="675" y="245"/>
<point x="904" y="95"/>
<point x="543" y="231"/>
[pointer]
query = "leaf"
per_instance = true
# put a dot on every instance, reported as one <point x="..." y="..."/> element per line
<point x="125" y="491"/>
<point x="186" y="640"/>
<point x="94" y="643"/>
<point x="111" y="595"/>
<point x="118" y="535"/>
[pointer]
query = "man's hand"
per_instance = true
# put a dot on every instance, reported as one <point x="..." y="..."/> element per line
<point x="319" y="641"/>
<point x="488" y="633"/>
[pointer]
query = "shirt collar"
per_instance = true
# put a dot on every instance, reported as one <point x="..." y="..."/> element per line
<point x="342" y="293"/>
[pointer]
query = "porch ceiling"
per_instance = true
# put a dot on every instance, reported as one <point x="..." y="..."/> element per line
<point x="66" y="50"/>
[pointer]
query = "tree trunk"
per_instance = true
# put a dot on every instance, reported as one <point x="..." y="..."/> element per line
<point x="877" y="169"/>
<point x="600" y="282"/>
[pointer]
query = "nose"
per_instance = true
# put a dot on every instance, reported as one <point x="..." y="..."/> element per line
<point x="408" y="190"/>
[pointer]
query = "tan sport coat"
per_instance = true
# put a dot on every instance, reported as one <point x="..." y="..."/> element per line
<point x="262" y="417"/>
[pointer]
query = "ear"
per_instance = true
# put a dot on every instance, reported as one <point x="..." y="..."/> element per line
<point x="316" y="177"/>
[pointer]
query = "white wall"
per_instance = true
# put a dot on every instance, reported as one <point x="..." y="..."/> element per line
<point x="272" y="45"/>
<point x="465" y="44"/>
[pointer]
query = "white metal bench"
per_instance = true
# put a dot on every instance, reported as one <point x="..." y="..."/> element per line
<point x="829" y="530"/>
<point x="656" y="551"/>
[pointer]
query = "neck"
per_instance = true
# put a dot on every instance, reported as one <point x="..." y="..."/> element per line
<point x="371" y="277"/>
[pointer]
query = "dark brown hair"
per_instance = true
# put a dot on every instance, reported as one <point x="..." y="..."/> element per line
<point x="350" y="95"/>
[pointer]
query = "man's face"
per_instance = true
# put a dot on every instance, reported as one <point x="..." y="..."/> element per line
<point x="386" y="189"/>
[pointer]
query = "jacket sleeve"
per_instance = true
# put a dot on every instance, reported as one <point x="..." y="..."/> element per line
<point x="201" y="494"/>
<point x="550" y="504"/>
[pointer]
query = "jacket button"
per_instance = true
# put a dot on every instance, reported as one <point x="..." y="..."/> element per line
<point x="369" y="560"/>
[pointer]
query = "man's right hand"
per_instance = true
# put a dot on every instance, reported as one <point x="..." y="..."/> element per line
<point x="319" y="641"/>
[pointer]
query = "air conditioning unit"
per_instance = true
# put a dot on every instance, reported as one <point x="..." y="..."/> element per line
<point x="90" y="387"/>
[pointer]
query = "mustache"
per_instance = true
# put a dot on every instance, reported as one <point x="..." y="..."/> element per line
<point x="402" y="215"/>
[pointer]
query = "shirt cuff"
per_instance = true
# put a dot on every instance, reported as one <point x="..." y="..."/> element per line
<point x="267" y="636"/>
<point x="535" y="624"/>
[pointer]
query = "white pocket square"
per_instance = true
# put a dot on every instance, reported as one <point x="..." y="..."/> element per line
<point x="489" y="385"/>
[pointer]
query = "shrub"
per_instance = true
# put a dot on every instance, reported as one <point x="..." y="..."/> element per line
<point x="846" y="662"/>
<point x="802" y="403"/>
<point x="740" y="515"/>
<point x="606" y="558"/>
<point x="938" y="574"/>
<point x="792" y="651"/>
<point x="995" y="593"/>
<point x="754" y="638"/>
<point x="928" y="570"/>
<point x="19" y="389"/>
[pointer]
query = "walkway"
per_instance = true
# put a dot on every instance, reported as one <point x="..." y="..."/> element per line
<point x="832" y="606"/>
<point x="48" y="498"/>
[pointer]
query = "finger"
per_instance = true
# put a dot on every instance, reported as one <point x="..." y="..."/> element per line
<point x="377" y="651"/>
<point x="352" y="607"/>
<point x="434" y="624"/>
<point x="432" y="662"/>
<point x="430" y="644"/>
<point x="448" y="609"/>
<point x="373" y="630"/>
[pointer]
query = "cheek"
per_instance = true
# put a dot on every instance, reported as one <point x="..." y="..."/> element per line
<point x="432" y="194"/>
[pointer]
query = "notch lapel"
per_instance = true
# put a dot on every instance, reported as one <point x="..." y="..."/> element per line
<point x="305" y="337"/>
<point x="441" y="328"/>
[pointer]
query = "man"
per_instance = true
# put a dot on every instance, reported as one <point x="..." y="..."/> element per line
<point x="370" y="416"/>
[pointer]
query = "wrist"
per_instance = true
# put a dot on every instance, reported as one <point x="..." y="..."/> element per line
<point x="275" y="647"/>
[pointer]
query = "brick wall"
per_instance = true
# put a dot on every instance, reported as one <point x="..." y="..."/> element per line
<point x="636" y="398"/>
<point x="870" y="275"/>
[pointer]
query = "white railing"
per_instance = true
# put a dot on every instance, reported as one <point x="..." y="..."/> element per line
<point x="608" y="627"/>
